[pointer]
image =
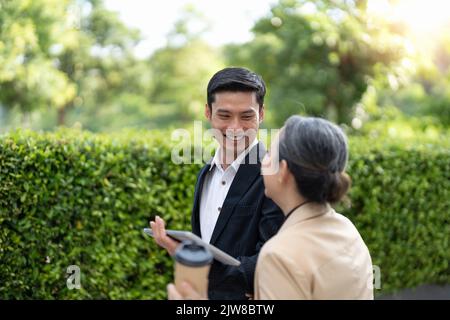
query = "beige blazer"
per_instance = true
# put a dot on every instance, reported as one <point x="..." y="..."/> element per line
<point x="316" y="254"/>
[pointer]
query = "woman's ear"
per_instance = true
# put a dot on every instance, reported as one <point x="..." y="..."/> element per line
<point x="283" y="171"/>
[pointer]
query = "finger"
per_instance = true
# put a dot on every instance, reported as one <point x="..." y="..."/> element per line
<point x="156" y="229"/>
<point x="160" y="229"/>
<point x="249" y="296"/>
<point x="161" y="223"/>
<point x="162" y="238"/>
<point x="155" y="233"/>
<point x="172" y="292"/>
<point x="159" y="219"/>
<point x="152" y="226"/>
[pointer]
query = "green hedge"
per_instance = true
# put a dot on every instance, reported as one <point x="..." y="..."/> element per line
<point x="81" y="199"/>
<point x="74" y="198"/>
<point x="400" y="202"/>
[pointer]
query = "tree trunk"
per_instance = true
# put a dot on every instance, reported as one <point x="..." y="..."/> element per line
<point x="62" y="116"/>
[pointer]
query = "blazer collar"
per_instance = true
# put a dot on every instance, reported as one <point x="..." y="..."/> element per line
<point x="308" y="211"/>
<point x="195" y="219"/>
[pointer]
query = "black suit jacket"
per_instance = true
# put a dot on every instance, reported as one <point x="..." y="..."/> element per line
<point x="247" y="219"/>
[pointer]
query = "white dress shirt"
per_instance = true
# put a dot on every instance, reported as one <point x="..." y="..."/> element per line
<point x="215" y="189"/>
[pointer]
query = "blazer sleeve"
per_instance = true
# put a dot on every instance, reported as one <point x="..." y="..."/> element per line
<point x="271" y="220"/>
<point x="278" y="279"/>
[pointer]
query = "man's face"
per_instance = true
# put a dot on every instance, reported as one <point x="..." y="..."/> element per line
<point x="235" y="116"/>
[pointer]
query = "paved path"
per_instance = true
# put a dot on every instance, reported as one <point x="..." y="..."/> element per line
<point x="424" y="292"/>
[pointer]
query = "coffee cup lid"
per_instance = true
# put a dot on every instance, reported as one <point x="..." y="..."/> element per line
<point x="194" y="255"/>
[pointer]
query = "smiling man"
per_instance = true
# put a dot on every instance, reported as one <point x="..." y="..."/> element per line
<point x="230" y="209"/>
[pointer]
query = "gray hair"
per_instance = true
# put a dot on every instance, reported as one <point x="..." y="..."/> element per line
<point x="316" y="151"/>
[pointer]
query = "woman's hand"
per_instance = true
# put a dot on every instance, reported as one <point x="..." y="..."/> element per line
<point x="187" y="292"/>
<point x="160" y="236"/>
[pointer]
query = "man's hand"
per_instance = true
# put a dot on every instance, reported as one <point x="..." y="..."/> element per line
<point x="187" y="292"/>
<point x="160" y="236"/>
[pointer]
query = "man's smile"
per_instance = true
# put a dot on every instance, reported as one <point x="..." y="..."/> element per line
<point x="234" y="136"/>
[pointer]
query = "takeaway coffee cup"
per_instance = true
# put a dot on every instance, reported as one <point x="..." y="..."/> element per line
<point x="192" y="263"/>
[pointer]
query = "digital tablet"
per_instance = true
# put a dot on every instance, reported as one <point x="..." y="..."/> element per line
<point x="218" y="254"/>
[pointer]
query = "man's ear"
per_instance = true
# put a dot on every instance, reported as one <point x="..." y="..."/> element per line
<point x="207" y="112"/>
<point x="261" y="114"/>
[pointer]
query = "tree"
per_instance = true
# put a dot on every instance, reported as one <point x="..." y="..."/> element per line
<point x="29" y="31"/>
<point x="183" y="67"/>
<point x="97" y="57"/>
<point x="426" y="90"/>
<point x="63" y="54"/>
<point x="317" y="57"/>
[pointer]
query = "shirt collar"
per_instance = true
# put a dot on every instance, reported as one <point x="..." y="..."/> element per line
<point x="216" y="161"/>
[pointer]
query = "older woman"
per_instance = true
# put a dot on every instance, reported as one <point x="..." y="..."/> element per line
<point x="317" y="253"/>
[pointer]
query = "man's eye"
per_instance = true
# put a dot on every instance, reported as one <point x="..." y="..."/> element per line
<point x="247" y="118"/>
<point x="223" y="116"/>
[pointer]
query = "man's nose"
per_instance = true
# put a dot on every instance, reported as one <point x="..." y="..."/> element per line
<point x="235" y="125"/>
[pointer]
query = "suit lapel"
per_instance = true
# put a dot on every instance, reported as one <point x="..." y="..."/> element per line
<point x="197" y="194"/>
<point x="247" y="173"/>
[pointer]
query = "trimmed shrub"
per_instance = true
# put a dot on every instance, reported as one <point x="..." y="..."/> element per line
<point x="80" y="199"/>
<point x="400" y="203"/>
<point x="75" y="198"/>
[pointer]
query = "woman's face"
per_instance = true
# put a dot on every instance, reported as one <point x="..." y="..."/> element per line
<point x="270" y="170"/>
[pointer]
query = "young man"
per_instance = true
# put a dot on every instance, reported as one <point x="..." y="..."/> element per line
<point x="230" y="209"/>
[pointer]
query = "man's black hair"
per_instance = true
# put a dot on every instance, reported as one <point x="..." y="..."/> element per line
<point x="236" y="79"/>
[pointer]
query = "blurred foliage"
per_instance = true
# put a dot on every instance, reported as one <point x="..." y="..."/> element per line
<point x="163" y="90"/>
<point x="422" y="87"/>
<point x="183" y="74"/>
<point x="29" y="31"/>
<point x="73" y="198"/>
<point x="183" y="68"/>
<point x="99" y="59"/>
<point x="72" y="63"/>
<point x="317" y="57"/>
<point x="66" y="54"/>
<point x="104" y="86"/>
